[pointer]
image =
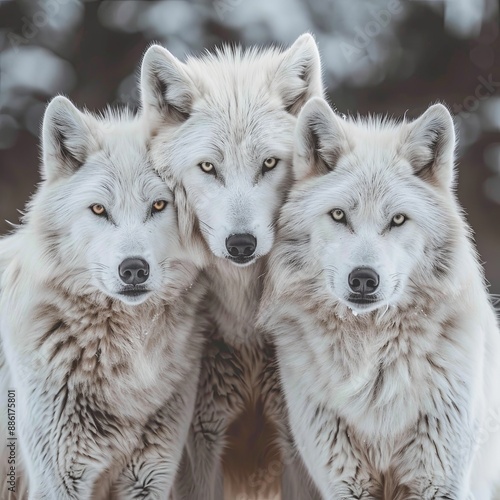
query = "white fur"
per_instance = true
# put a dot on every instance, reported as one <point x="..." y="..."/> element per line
<point x="105" y="382"/>
<point x="9" y="246"/>
<point x="397" y="397"/>
<point x="234" y="116"/>
<point x="234" y="109"/>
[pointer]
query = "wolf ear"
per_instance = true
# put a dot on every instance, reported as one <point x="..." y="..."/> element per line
<point x="67" y="139"/>
<point x="320" y="139"/>
<point x="430" y="145"/>
<point x="166" y="89"/>
<point x="299" y="75"/>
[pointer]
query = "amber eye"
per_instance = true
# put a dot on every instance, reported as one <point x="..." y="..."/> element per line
<point x="398" y="220"/>
<point x="158" y="206"/>
<point x="98" y="209"/>
<point x="338" y="215"/>
<point x="269" y="164"/>
<point x="207" y="167"/>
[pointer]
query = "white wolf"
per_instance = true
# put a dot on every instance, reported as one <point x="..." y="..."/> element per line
<point x="223" y="140"/>
<point x="97" y="316"/>
<point x="388" y="346"/>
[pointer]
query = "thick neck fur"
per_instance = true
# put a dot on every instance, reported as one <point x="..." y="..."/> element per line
<point x="234" y="295"/>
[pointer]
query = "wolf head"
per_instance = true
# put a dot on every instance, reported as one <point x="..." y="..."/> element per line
<point x="223" y="128"/>
<point x="373" y="209"/>
<point x="103" y="216"/>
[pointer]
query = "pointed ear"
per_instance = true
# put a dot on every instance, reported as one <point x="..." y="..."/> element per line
<point x="299" y="75"/>
<point x="320" y="140"/>
<point x="429" y="146"/>
<point x="167" y="92"/>
<point x="67" y="138"/>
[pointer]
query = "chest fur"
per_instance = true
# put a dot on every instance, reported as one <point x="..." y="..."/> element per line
<point x="380" y="377"/>
<point x="129" y="362"/>
<point x="233" y="301"/>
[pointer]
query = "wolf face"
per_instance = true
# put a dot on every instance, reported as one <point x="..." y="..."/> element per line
<point x="375" y="203"/>
<point x="373" y="226"/>
<point x="224" y="128"/>
<point x="102" y="212"/>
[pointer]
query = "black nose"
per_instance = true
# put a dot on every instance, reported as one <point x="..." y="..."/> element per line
<point x="241" y="245"/>
<point x="134" y="271"/>
<point x="363" y="280"/>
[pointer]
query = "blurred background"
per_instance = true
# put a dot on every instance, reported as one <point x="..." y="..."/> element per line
<point x="390" y="56"/>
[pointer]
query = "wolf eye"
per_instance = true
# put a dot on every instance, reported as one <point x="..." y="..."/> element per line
<point x="158" y="206"/>
<point x="269" y="164"/>
<point x="338" y="215"/>
<point x="207" y="167"/>
<point x="398" y="220"/>
<point x="99" y="210"/>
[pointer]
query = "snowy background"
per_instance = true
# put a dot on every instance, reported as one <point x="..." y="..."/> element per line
<point x="394" y="56"/>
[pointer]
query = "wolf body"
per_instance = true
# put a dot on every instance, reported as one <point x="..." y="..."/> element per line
<point x="222" y="128"/>
<point x="387" y="342"/>
<point x="97" y="316"/>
